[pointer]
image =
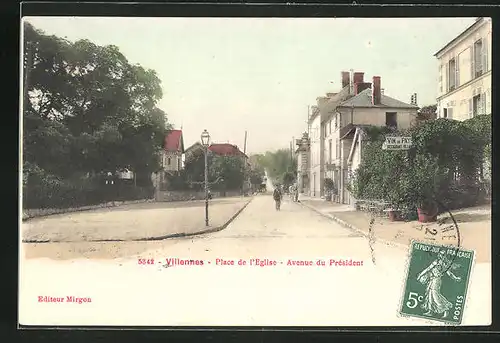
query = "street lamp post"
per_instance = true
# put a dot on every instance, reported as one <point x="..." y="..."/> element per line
<point x="205" y="140"/>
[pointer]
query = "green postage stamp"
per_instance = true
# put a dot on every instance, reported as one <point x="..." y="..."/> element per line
<point x="436" y="282"/>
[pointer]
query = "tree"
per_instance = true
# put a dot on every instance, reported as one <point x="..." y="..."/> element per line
<point x="107" y="104"/>
<point x="277" y="164"/>
<point x="224" y="172"/>
<point x="230" y="169"/>
<point x="428" y="112"/>
<point x="194" y="170"/>
<point x="87" y="110"/>
<point x="256" y="177"/>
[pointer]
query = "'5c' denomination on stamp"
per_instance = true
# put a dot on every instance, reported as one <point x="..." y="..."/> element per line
<point x="436" y="282"/>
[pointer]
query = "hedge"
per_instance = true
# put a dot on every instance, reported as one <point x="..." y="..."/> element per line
<point x="426" y="171"/>
<point x="42" y="191"/>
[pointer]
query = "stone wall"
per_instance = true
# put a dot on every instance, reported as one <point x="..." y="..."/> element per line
<point x="192" y="195"/>
<point x="34" y="213"/>
<point x="161" y="196"/>
<point x="179" y="195"/>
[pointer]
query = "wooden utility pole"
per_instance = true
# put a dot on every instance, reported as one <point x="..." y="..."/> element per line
<point x="245" y="167"/>
<point x="245" y="144"/>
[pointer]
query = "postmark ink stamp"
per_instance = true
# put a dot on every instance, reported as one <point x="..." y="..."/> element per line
<point x="436" y="282"/>
<point x="444" y="231"/>
<point x="371" y="237"/>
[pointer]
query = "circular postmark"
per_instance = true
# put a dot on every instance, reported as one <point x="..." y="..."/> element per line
<point x="442" y="232"/>
<point x="436" y="227"/>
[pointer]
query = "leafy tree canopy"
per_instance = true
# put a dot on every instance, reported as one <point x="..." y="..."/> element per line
<point x="224" y="172"/>
<point x="279" y="165"/>
<point x="441" y="149"/>
<point x="87" y="109"/>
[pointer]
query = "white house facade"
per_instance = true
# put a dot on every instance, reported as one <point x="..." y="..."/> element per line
<point x="464" y="84"/>
<point x="357" y="105"/>
<point x="316" y="159"/>
<point x="303" y="153"/>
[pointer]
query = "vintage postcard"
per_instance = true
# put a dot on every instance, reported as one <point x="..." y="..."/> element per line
<point x="255" y="172"/>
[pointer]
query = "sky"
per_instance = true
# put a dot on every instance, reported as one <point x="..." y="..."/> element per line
<point x="231" y="75"/>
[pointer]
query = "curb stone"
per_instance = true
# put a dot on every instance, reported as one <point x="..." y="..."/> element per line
<point x="158" y="238"/>
<point x="201" y="232"/>
<point x="354" y="228"/>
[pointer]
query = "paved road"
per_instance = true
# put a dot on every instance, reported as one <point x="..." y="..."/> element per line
<point x="242" y="295"/>
<point x="132" y="222"/>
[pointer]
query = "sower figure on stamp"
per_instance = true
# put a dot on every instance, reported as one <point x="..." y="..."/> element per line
<point x="434" y="301"/>
<point x="277" y="197"/>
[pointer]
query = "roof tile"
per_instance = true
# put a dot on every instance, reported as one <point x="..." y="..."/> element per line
<point x="225" y="149"/>
<point x="174" y="141"/>
<point x="364" y="99"/>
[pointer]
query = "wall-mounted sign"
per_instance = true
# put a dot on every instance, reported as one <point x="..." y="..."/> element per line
<point x="397" y="143"/>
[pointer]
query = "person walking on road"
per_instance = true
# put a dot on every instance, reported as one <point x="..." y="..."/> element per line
<point x="277" y="195"/>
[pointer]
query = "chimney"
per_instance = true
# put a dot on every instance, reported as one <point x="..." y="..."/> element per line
<point x="376" y="91"/>
<point x="345" y="78"/>
<point x="359" y="87"/>
<point x="358" y="77"/>
<point x="351" y="83"/>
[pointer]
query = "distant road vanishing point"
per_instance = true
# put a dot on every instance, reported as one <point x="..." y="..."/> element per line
<point x="269" y="183"/>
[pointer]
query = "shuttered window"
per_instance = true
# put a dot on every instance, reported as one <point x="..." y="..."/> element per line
<point x="478" y="58"/>
<point x="484" y="55"/>
<point x="451" y="74"/>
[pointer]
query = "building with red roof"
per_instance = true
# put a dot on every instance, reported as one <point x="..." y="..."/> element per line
<point x="226" y="149"/>
<point x="221" y="149"/>
<point x="173" y="149"/>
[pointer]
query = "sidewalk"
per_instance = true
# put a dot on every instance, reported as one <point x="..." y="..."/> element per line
<point x="474" y="226"/>
<point x="139" y="222"/>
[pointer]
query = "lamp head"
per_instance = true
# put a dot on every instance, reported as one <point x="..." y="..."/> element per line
<point x="205" y="138"/>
